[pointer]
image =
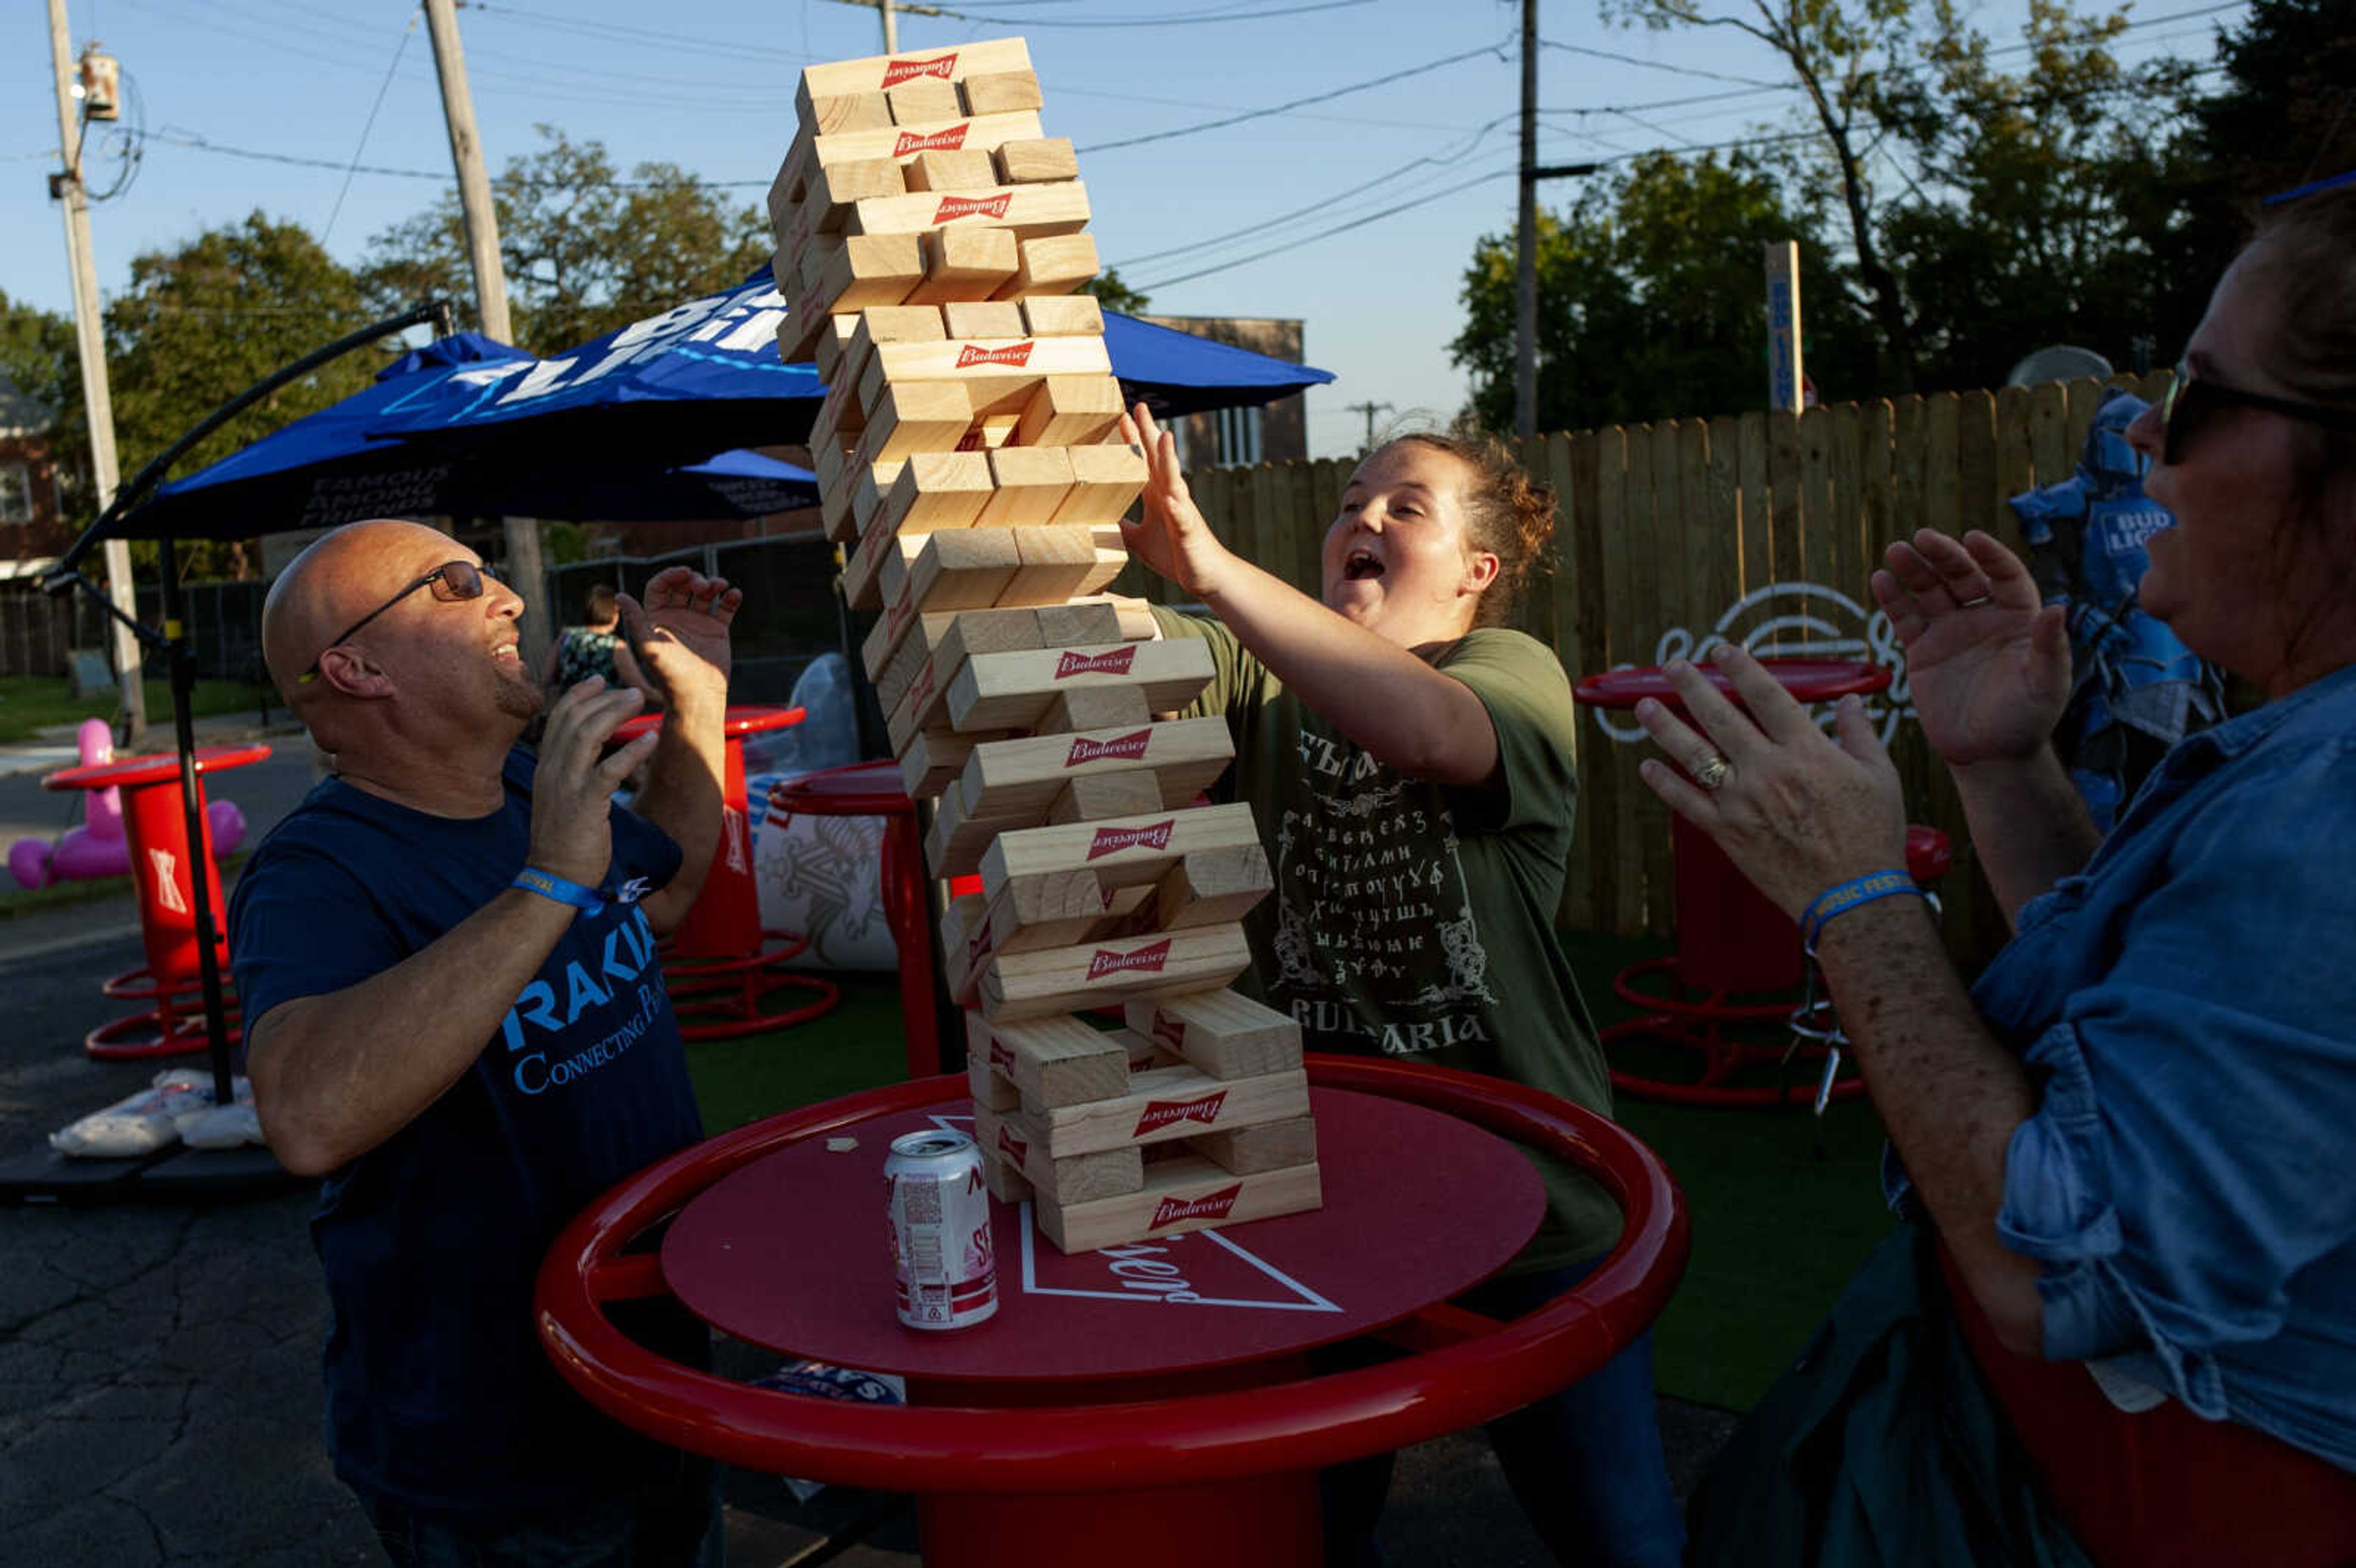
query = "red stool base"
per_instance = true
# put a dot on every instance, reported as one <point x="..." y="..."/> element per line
<point x="728" y="995"/>
<point x="1698" y="1021"/>
<point x="168" y="1029"/>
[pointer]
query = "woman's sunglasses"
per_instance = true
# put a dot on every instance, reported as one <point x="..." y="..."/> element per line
<point x="451" y="582"/>
<point x="2192" y="401"/>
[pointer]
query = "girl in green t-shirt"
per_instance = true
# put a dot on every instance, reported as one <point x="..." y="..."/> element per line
<point x="1410" y="762"/>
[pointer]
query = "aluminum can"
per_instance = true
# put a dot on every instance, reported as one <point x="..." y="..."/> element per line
<point x="944" y="1267"/>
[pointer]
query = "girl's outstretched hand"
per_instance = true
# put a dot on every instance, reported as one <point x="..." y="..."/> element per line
<point x="1171" y="537"/>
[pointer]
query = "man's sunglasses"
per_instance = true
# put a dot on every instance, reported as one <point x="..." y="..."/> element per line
<point x="451" y="582"/>
<point x="2191" y="400"/>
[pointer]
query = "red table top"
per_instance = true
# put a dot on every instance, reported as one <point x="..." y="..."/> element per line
<point x="154" y="769"/>
<point x="1810" y="680"/>
<point x="790" y="1253"/>
<point x="749" y="719"/>
<point x="860" y="789"/>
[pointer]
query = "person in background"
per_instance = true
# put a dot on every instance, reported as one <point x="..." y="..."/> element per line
<point x="1409" y="760"/>
<point x="596" y="646"/>
<point x="456" y="1016"/>
<point x="2119" y="1324"/>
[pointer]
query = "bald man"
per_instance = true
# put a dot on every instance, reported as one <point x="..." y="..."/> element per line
<point x="454" y="1014"/>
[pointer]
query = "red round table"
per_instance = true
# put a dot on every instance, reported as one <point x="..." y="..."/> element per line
<point x="1732" y="943"/>
<point x="719" y="964"/>
<point x="875" y="789"/>
<point x="1098" y="1417"/>
<point x="156" y="829"/>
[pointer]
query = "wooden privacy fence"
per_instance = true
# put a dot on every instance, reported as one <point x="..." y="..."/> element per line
<point x="1760" y="529"/>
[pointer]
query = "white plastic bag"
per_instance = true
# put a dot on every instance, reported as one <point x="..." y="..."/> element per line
<point x="149" y="1120"/>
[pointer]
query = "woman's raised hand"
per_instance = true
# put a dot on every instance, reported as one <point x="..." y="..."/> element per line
<point x="1172" y="537"/>
<point x="1987" y="665"/>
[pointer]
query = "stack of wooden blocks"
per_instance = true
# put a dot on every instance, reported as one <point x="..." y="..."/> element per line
<point x="969" y="453"/>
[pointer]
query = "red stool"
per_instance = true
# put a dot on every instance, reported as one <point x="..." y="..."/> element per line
<point x="155" y="827"/>
<point x="874" y="789"/>
<point x="719" y="965"/>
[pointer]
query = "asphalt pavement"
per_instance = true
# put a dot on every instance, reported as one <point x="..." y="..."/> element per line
<point x="159" y="1386"/>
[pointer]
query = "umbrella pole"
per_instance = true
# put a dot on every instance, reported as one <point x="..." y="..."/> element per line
<point x="183" y="659"/>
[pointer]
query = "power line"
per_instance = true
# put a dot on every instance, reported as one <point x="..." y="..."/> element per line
<point x="345" y="189"/>
<point x="1654" y="65"/>
<point x="1172" y="19"/>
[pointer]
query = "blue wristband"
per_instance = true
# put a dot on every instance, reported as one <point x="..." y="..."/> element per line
<point x="1847" y="896"/>
<point x="532" y="879"/>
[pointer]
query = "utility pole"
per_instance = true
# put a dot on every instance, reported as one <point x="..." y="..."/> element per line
<point x="91" y="344"/>
<point x="1369" y="409"/>
<point x="1525" y="239"/>
<point x="891" y="27"/>
<point x="526" y="572"/>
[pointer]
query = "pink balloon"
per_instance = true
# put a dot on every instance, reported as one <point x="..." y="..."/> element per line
<point x="226" y="825"/>
<point x="28" y="862"/>
<point x="83" y="854"/>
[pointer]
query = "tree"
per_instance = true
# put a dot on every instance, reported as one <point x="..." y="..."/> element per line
<point x="584" y="249"/>
<point x="38" y="358"/>
<point x="1114" y="294"/>
<point x="1648" y="299"/>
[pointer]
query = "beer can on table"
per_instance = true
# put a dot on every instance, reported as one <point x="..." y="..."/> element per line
<point x="943" y="1265"/>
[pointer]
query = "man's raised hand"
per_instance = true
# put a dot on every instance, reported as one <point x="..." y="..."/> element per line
<point x="680" y="632"/>
<point x="575" y="784"/>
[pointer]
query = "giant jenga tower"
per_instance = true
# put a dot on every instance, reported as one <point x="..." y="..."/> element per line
<point x="933" y="243"/>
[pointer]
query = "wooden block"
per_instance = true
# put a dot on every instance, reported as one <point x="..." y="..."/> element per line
<point x="1105" y="480"/>
<point x="879" y="73"/>
<point x="1064" y="563"/>
<point x="1070" y="410"/>
<point x="833" y="338"/>
<point x="1018" y="985"/>
<point x="834" y="112"/>
<point x="1000" y="374"/>
<point x="1225" y="1034"/>
<point x="955" y="635"/>
<point x="884" y="140"/>
<point x="899" y="674"/>
<point x="1031" y="483"/>
<point x="915" y="418"/>
<point x="884" y="323"/>
<point x="830" y="191"/>
<point x="1006" y="1184"/>
<point x="867" y="493"/>
<point x="1098" y="618"/>
<point x="1054" y="912"/>
<point x="931" y="761"/>
<point x="1074" y="1178"/>
<point x="1063" y="315"/>
<point x="1213" y="887"/>
<point x="1023" y="778"/>
<point x="936" y="490"/>
<point x="958" y="569"/>
<point x="1009" y="690"/>
<point x="965" y="264"/>
<point x="1051" y="1061"/>
<point x="1031" y="160"/>
<point x="940" y="658"/>
<point x="1002" y="91"/>
<point x="839" y="424"/>
<point x="1121" y="852"/>
<point x="968" y="168"/>
<point x="1094" y="708"/>
<point x="1186" y="1193"/>
<point x="983" y="318"/>
<point x="862" y="574"/>
<point x="923" y="100"/>
<point x="1028" y="211"/>
<point x="992" y="1091"/>
<point x="1093" y="796"/>
<point x="869" y="270"/>
<point x="965" y="945"/>
<point x="953" y="847"/>
<point x="1269" y="1146"/>
<point x="1053" y="264"/>
<point x="1166" y="1104"/>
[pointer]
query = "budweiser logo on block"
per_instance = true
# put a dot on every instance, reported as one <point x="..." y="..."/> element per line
<point x="1210" y="1206"/>
<point x="977" y="946"/>
<point x="1147" y="960"/>
<point x="947" y="140"/>
<point x="1001" y="1057"/>
<point x="897" y="71"/>
<point x="1113" y="840"/>
<point x="1166" y="1113"/>
<point x="1016" y="354"/>
<point x="1115" y="661"/>
<point x="1168" y="1028"/>
<point x="953" y="207"/>
<point x="1129" y="748"/>
<point x="922" y="687"/>
<point x="896" y="618"/>
<point x="1012" y="1148"/>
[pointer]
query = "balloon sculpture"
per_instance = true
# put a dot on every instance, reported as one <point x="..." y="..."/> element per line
<point x="97" y="848"/>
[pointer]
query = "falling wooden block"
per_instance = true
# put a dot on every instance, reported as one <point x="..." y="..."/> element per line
<point x="1073" y="1178"/>
<point x="1246" y="1151"/>
<point x="958" y="569"/>
<point x="1023" y="778"/>
<point x="1028" y="211"/>
<point x="1063" y="315"/>
<point x="1166" y="1104"/>
<point x="983" y="318"/>
<point x="1105" y="480"/>
<point x="1000" y="373"/>
<point x="923" y="100"/>
<point x="1050" y="1060"/>
<point x="1122" y="852"/>
<point x="1010" y="690"/>
<point x="1031" y="160"/>
<point x="1006" y="91"/>
<point x="1225" y="1034"/>
<point x="1053" y="264"/>
<point x="1184" y="1193"/>
<point x="1018" y="985"/>
<point x="1092" y="796"/>
<point x="965" y="264"/>
<point x="968" y="168"/>
<point x="1070" y="410"/>
<point x="1031" y="483"/>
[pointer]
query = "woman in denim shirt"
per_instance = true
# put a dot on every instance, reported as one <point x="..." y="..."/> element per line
<point x="2130" y="1138"/>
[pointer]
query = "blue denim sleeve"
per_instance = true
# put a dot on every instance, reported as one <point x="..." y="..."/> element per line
<point x="2188" y="1155"/>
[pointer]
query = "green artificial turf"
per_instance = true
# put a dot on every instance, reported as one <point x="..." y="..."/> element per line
<point x="31" y="703"/>
<point x="1783" y="1207"/>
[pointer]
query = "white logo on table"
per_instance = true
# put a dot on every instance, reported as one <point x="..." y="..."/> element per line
<point x="165" y="867"/>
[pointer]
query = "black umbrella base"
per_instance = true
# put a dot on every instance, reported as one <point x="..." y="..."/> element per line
<point x="175" y="1175"/>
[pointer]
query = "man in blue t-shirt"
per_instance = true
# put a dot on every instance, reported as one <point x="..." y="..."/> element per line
<point x="454" y="1014"/>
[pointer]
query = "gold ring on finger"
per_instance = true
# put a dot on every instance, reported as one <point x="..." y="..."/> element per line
<point x="1713" y="774"/>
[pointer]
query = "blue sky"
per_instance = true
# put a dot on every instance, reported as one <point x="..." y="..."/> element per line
<point x="1357" y="213"/>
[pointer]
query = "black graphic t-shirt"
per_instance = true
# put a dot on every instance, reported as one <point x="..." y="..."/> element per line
<point x="439" y="1396"/>
<point x="1416" y="920"/>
